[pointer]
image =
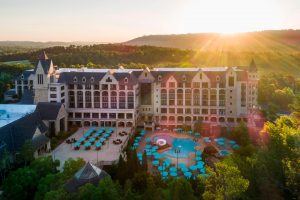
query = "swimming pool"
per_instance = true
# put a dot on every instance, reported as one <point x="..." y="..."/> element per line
<point x="185" y="145"/>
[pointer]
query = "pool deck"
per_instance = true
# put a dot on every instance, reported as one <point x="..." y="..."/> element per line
<point x="189" y="161"/>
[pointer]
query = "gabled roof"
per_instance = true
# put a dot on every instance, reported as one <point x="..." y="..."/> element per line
<point x="16" y="133"/>
<point x="43" y="56"/>
<point x="27" y="97"/>
<point x="26" y="74"/>
<point x="89" y="173"/>
<point x="48" y="111"/>
<point x="252" y="66"/>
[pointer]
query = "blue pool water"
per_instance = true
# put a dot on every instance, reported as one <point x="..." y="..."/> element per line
<point x="186" y="146"/>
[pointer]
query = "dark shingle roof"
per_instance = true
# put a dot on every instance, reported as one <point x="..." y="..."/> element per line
<point x="39" y="141"/>
<point x="48" y="111"/>
<point x="16" y="133"/>
<point x="87" y="174"/>
<point x="26" y="74"/>
<point x="27" y="97"/>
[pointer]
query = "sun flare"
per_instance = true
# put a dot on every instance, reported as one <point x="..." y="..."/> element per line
<point x="228" y="17"/>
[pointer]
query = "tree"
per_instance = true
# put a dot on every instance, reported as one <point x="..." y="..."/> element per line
<point x="89" y="191"/>
<point x="181" y="189"/>
<point x="144" y="162"/>
<point x="46" y="184"/>
<point x="60" y="194"/>
<point x="283" y="97"/>
<point x="71" y="166"/>
<point x="295" y="107"/>
<point x="20" y="184"/>
<point x="27" y="151"/>
<point x="44" y="165"/>
<point x="108" y="190"/>
<point x="4" y="164"/>
<point x="128" y="193"/>
<point x="225" y="182"/>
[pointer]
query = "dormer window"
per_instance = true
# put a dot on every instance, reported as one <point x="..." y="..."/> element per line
<point x="126" y="80"/>
<point x="146" y="74"/>
<point x="200" y="76"/>
<point x="159" y="78"/>
<point x="92" y="79"/>
<point x="22" y="76"/>
<point x="217" y="78"/>
<point x="75" y="79"/>
<point x="108" y="80"/>
<point x="83" y="79"/>
<point x="184" y="78"/>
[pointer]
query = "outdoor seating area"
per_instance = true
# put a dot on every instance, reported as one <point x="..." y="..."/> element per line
<point x="93" y="138"/>
<point x="190" y="142"/>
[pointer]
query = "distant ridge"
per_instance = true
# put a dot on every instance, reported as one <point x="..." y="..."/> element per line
<point x="272" y="40"/>
<point x="32" y="44"/>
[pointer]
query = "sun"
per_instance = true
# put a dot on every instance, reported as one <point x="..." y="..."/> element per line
<point x="227" y="17"/>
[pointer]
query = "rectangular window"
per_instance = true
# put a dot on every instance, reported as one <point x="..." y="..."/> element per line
<point x="52" y="95"/>
<point x="172" y="85"/>
<point x="163" y="110"/>
<point x="231" y="81"/>
<point x="172" y="110"/>
<point x="95" y="115"/>
<point x="103" y="115"/>
<point x="205" y="85"/>
<point x="179" y="110"/>
<point x="204" y="111"/>
<point x="104" y="87"/>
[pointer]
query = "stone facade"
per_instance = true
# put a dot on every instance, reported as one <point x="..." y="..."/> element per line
<point x="219" y="97"/>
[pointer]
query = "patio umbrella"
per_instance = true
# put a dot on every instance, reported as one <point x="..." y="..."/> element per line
<point x="138" y="137"/>
<point x="173" y="169"/>
<point x="184" y="169"/>
<point x="96" y="134"/>
<point x="164" y="174"/>
<point x="224" y="152"/>
<point x="98" y="144"/>
<point x="148" y="139"/>
<point x="198" y="153"/>
<point x="148" y="153"/>
<point x="81" y="139"/>
<point x="179" y="129"/>
<point x="168" y="161"/>
<point x="232" y="142"/>
<point x="87" y="144"/>
<point x="148" y="146"/>
<point x="106" y="135"/>
<point x="173" y="174"/>
<point x="220" y="143"/>
<point x="187" y="174"/>
<point x="87" y="135"/>
<point x="92" y="139"/>
<point x="200" y="163"/>
<point x="155" y="138"/>
<point x="155" y="147"/>
<point x="197" y="134"/>
<point x="139" y="154"/>
<point x="202" y="171"/>
<point x="161" y="168"/>
<point x="102" y="139"/>
<point x="198" y="158"/>
<point x="136" y="144"/>
<point x="181" y="165"/>
<point x="236" y="146"/>
<point x="193" y="167"/>
<point x="190" y="132"/>
<point x="200" y="166"/>
<point x="155" y="162"/>
<point x="77" y="144"/>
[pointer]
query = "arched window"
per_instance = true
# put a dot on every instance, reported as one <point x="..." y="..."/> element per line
<point x="222" y="94"/>
<point x="179" y="97"/>
<point x="204" y="97"/>
<point x="126" y="80"/>
<point x="172" y="119"/>
<point x="163" y="97"/>
<point x="97" y="99"/>
<point x="188" y="96"/>
<point x="130" y="100"/>
<point x="83" y="79"/>
<point x="180" y="119"/>
<point x="213" y="97"/>
<point x="75" y="79"/>
<point x="171" y="97"/>
<point x="79" y="99"/>
<point x="159" y="78"/>
<point x="196" y="97"/>
<point x="104" y="99"/>
<point x="92" y="79"/>
<point x="122" y="100"/>
<point x="164" y="118"/>
<point x="88" y="99"/>
<point x="113" y="99"/>
<point x="188" y="119"/>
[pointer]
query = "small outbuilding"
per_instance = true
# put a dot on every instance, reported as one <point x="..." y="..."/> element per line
<point x="89" y="173"/>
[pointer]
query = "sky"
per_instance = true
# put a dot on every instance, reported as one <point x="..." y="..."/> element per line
<point x="122" y="20"/>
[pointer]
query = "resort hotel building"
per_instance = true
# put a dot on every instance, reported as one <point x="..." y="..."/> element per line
<point x="216" y="97"/>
